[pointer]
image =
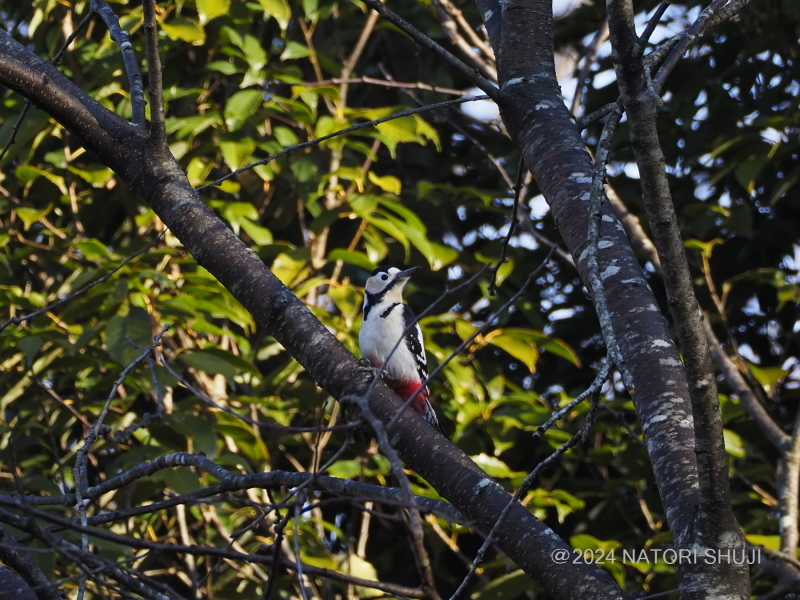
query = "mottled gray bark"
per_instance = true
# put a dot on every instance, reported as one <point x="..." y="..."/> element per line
<point x="534" y="113"/>
<point x="715" y="525"/>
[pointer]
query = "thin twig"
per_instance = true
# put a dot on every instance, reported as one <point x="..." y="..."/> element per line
<point x="385" y="83"/>
<point x="592" y="259"/>
<point x="686" y="41"/>
<point x="356" y="127"/>
<point x="414" y="518"/>
<point x="80" y="474"/>
<point x="423" y="40"/>
<point x="468" y="49"/>
<point x="521" y="169"/>
<point x="530" y="479"/>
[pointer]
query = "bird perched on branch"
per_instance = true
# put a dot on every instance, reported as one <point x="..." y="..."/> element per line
<point x="386" y="318"/>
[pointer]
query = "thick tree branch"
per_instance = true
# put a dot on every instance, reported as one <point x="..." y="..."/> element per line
<point x="714" y="525"/>
<point x="154" y="174"/>
<point x="19" y="560"/>
<point x="546" y="133"/>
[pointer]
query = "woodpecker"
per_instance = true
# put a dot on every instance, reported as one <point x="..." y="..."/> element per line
<point x="386" y="317"/>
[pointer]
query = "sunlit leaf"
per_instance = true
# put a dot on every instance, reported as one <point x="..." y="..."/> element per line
<point x="125" y="332"/>
<point x="768" y="377"/>
<point x="29" y="216"/>
<point x="277" y="9"/>
<point x="240" y="107"/>
<point x="211" y="9"/>
<point x="236" y="153"/>
<point x="354" y="258"/>
<point x="734" y="445"/>
<point x="181" y="28"/>
<point x="387" y="183"/>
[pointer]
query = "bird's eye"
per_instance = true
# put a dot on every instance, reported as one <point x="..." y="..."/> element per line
<point x="384" y="277"/>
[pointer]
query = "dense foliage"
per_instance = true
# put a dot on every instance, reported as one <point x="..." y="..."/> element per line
<point x="258" y="82"/>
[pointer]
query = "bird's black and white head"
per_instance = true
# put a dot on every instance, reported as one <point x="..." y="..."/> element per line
<point x="385" y="286"/>
<point x="388" y="282"/>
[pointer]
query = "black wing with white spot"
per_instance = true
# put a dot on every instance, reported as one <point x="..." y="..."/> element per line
<point x="415" y="343"/>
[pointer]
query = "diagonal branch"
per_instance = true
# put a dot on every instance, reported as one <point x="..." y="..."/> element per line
<point x="426" y="42"/>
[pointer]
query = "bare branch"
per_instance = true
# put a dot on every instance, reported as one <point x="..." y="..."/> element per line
<point x="18" y="559"/>
<point x="119" y="35"/>
<point x="158" y="129"/>
<point x="356" y="127"/>
<point x="715" y="524"/>
<point x="448" y="14"/>
<point x="424" y="41"/>
<point x="414" y="519"/>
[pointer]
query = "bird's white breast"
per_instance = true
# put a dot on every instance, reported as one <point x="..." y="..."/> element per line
<point x="378" y="340"/>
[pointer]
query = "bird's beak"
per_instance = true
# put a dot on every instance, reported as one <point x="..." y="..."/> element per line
<point x="407" y="273"/>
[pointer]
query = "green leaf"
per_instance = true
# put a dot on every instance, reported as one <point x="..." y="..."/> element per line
<point x="261" y="236"/>
<point x="198" y="169"/>
<point x="517" y="343"/>
<point x="750" y="167"/>
<point x="400" y="130"/>
<point x="31" y="216"/>
<point x="279" y="10"/>
<point x="189" y="127"/>
<point x="387" y="183"/>
<point x="295" y="50"/>
<point x="30" y="346"/>
<point x="197" y="429"/>
<point x="346" y="469"/>
<point x="427" y="131"/>
<point x="121" y="330"/>
<point x="185" y="30"/>
<point x="768" y="377"/>
<point x="311" y="9"/>
<point x="211" y="9"/>
<point x="734" y="445"/>
<point x="290" y="267"/>
<point x="94" y="250"/>
<point x="505" y="587"/>
<point x="285" y="136"/>
<point x="225" y="67"/>
<point x="770" y="542"/>
<point x="181" y="481"/>
<point x="564" y="502"/>
<point x="237" y="153"/>
<point x="241" y="107"/>
<point x="346" y="300"/>
<point x="27" y="174"/>
<point x="96" y="175"/>
<point x="495" y="467"/>
<point x="214" y="360"/>
<point x="358" y="259"/>
<point x="354" y="565"/>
